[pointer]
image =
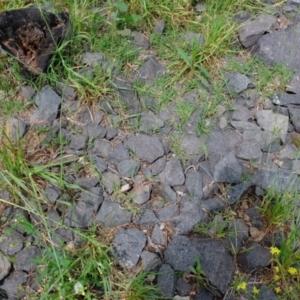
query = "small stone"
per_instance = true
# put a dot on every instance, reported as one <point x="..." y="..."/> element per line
<point x="150" y="261"/>
<point x="111" y="182"/>
<point x="78" y="142"/>
<point x="16" y="128"/>
<point x="141" y="40"/>
<point x="141" y="194"/>
<point x="118" y="154"/>
<point x="25" y="259"/>
<point x="173" y="173"/>
<point x="167" y="213"/>
<point x="193" y="184"/>
<point x="166" y="281"/>
<point x="27" y="92"/>
<point x="5" y="266"/>
<point x="237" y="83"/>
<point x="128" y="168"/>
<point x="159" y="27"/>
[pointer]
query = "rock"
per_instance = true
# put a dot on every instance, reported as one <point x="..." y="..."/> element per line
<point x="242" y="17"/>
<point x="99" y="164"/>
<point x="228" y="170"/>
<point x="284" y="99"/>
<point x="166" y="280"/>
<point x="111" y="133"/>
<point x="236" y="192"/>
<point x="128" y="245"/>
<point x="78" y="142"/>
<point x="193" y="39"/>
<point x="242" y="126"/>
<point x="277" y="124"/>
<point x="294" y="85"/>
<point x="165" y="192"/>
<point x="79" y="215"/>
<point x="213" y="204"/>
<point x="158" y="237"/>
<point x="14" y="285"/>
<point x="102" y="148"/>
<point x="141" y="40"/>
<point x="24" y="260"/>
<point x="193" y="184"/>
<point x="16" y="129"/>
<point x="280" y="47"/>
<point x="239" y="230"/>
<point x="295" y="118"/>
<point x="237" y="83"/>
<point x="167" y="213"/>
<point x="217" y="263"/>
<point x="282" y="180"/>
<point x="93" y="130"/>
<point x="111" y="182"/>
<point x="147" y="148"/>
<point x="155" y="168"/>
<point x="191" y="144"/>
<point x="141" y="194"/>
<point x="205" y="295"/>
<point x="183" y="288"/>
<point x="87" y="182"/>
<point x="180" y="254"/>
<point x="172" y="174"/>
<point x="118" y="154"/>
<point x="252" y="31"/>
<point x="5" y="266"/>
<point x="159" y="27"/>
<point x="248" y="150"/>
<point x="150" y="261"/>
<point x="128" y="168"/>
<point x="241" y="113"/>
<point x="111" y="214"/>
<point x="11" y="242"/>
<point x="266" y="293"/>
<point x="150" y="70"/>
<point x="48" y="103"/>
<point x="150" y="123"/>
<point x="65" y="91"/>
<point x="256" y="257"/>
<point x="92" y="59"/>
<point x="289" y="151"/>
<point x="256" y="218"/>
<point x="27" y="92"/>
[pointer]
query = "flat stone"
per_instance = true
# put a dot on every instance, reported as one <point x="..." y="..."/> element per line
<point x="11" y="242"/>
<point x="93" y="130"/>
<point x="79" y="215"/>
<point x="236" y="192"/>
<point x="284" y="99"/>
<point x="166" y="281"/>
<point x="252" y="31"/>
<point x="147" y="218"/>
<point x="217" y="264"/>
<point x="167" y="213"/>
<point x="118" y="154"/>
<point x="111" y="214"/>
<point x="248" y="150"/>
<point x="294" y="85"/>
<point x="243" y="125"/>
<point x="280" y="47"/>
<point x="16" y="128"/>
<point x="111" y="133"/>
<point x="128" y="168"/>
<point x="87" y="182"/>
<point x="193" y="183"/>
<point x="102" y="148"/>
<point x="289" y="151"/>
<point x="228" y="170"/>
<point x="48" y="103"/>
<point x="180" y="254"/>
<point x="165" y="192"/>
<point x="111" y="182"/>
<point x="24" y="259"/>
<point x="78" y="142"/>
<point x="147" y="148"/>
<point x="158" y="237"/>
<point x="129" y="244"/>
<point x="173" y="174"/>
<point x="157" y="167"/>
<point x="14" y="285"/>
<point x="237" y="83"/>
<point x="99" y="164"/>
<point x="150" y="261"/>
<point x="191" y="144"/>
<point x="141" y="194"/>
<point x="5" y="266"/>
<point x="241" y="113"/>
<point x="275" y="123"/>
<point x="150" y="123"/>
<point x="254" y="258"/>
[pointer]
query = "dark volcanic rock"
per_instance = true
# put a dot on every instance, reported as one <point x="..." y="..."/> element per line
<point x="14" y="284"/>
<point x="237" y="83"/>
<point x="24" y="259"/>
<point x="172" y="174"/>
<point x="166" y="280"/>
<point x="193" y="184"/>
<point x="236" y="192"/>
<point x="16" y="128"/>
<point x="5" y="266"/>
<point x="285" y="99"/>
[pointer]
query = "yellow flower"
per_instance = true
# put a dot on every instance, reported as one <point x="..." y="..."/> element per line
<point x="276" y="277"/>
<point x="255" y="290"/>
<point x="277" y="290"/>
<point x="274" y="250"/>
<point x="292" y="271"/>
<point x="276" y="268"/>
<point x="242" y="286"/>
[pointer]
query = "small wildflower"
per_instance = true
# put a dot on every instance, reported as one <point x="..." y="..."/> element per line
<point x="276" y="277"/>
<point x="242" y="286"/>
<point x="292" y="271"/>
<point x="277" y="290"/>
<point x="274" y="250"/>
<point x="78" y="288"/>
<point x="276" y="268"/>
<point x="255" y="290"/>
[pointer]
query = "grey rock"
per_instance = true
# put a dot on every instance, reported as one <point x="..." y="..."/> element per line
<point x="180" y="254"/>
<point x="248" y="150"/>
<point x="5" y="266"/>
<point x="166" y="281"/>
<point x="165" y="192"/>
<point x="78" y="142"/>
<point x="183" y="288"/>
<point x="242" y="17"/>
<point x="228" y="170"/>
<point x="159" y="27"/>
<point x="157" y="167"/>
<point x="111" y="214"/>
<point x="53" y="217"/>
<point x="11" y="242"/>
<point x="150" y="70"/>
<point x="93" y="130"/>
<point x="213" y="204"/>
<point x="93" y="197"/>
<point x="141" y="194"/>
<point x="158" y="237"/>
<point x="14" y="285"/>
<point x="294" y="85"/>
<point x="289" y="151"/>
<point x="86" y="116"/>
<point x="191" y="144"/>
<point x="172" y="174"/>
<point x="146" y="218"/>
<point x="216" y="262"/>
<point x="150" y="123"/>
<point x="111" y="181"/>
<point x="111" y="133"/>
<point x="118" y="154"/>
<point x="266" y="293"/>
<point x="239" y="230"/>
<point x="191" y="125"/>
<point x="256" y="217"/>
<point x="150" y="261"/>
<point x="281" y="180"/>
<point x="16" y="128"/>
<point x="284" y="99"/>
<point x="87" y="182"/>
<point x="141" y="40"/>
<point x="275" y="123"/>
<point x="268" y="104"/>
<point x="79" y="215"/>
<point x="256" y="257"/>
<point x="147" y="148"/>
<point x="27" y="92"/>
<point x="235" y="193"/>
<point x="252" y="31"/>
<point x="243" y="125"/>
<point x="193" y="39"/>
<point x="295" y="117"/>
<point x="99" y="163"/>
<point x="48" y="103"/>
<point x="128" y="167"/>
<point x="167" y="213"/>
<point x="24" y="259"/>
<point x="65" y="90"/>
<point x="127" y="93"/>
<point x="102" y="148"/>
<point x="92" y="59"/>
<point x="193" y="183"/>
<point x="129" y="244"/>
<point x="206" y="295"/>
<point x="237" y="83"/>
<point x="280" y="47"/>
<point x="241" y="113"/>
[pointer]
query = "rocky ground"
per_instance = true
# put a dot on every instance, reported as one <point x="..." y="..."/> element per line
<point x="150" y="200"/>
